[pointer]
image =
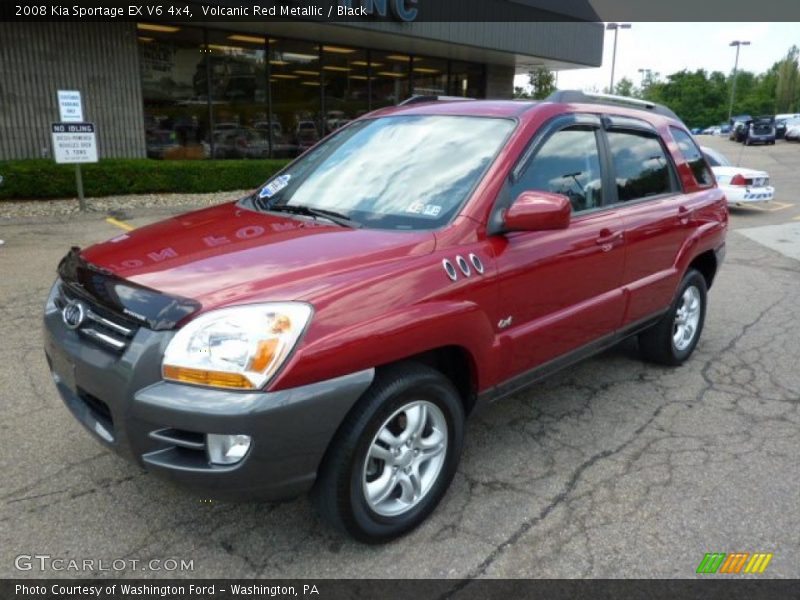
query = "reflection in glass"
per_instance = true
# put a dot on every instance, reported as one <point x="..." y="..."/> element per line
<point x="296" y="96"/>
<point x="569" y="164"/>
<point x="238" y="77"/>
<point x="430" y="76"/>
<point x="640" y="165"/>
<point x="399" y="172"/>
<point x="391" y="84"/>
<point x="693" y="156"/>
<point x="346" y="83"/>
<point x="207" y="93"/>
<point x="467" y="80"/>
<point x="175" y="92"/>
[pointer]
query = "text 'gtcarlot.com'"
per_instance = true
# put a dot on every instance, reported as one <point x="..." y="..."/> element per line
<point x="46" y="562"/>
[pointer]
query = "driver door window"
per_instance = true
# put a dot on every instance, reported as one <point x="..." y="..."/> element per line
<point x="568" y="163"/>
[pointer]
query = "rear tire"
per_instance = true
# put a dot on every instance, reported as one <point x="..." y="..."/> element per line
<point x="393" y="459"/>
<point x="674" y="337"/>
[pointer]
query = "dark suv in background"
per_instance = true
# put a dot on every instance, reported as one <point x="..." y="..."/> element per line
<point x="760" y="130"/>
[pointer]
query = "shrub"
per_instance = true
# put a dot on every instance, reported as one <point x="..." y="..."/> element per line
<point x="42" y="178"/>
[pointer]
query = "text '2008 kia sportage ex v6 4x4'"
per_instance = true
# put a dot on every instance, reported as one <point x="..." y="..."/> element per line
<point x="332" y="331"/>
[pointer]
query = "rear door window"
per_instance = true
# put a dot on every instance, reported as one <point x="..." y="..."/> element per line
<point x="641" y="166"/>
<point x="693" y="156"/>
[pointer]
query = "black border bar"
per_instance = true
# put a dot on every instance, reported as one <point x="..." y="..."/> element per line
<point x="404" y="12"/>
<point x="711" y="588"/>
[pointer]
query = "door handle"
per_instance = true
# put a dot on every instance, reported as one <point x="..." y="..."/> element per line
<point x="607" y="240"/>
<point x="606" y="237"/>
<point x="683" y="215"/>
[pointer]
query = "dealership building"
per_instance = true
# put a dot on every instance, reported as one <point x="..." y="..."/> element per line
<point x="254" y="89"/>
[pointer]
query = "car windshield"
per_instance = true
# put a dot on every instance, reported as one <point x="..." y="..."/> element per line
<point x="396" y="172"/>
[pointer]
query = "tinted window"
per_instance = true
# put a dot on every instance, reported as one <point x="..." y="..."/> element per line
<point x="693" y="156"/>
<point x="640" y="165"/>
<point x="568" y="163"/>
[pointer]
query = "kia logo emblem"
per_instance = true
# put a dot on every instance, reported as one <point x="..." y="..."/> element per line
<point x="73" y="314"/>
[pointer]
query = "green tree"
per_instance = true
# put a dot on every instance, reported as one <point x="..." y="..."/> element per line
<point x="624" y="87"/>
<point x="521" y="93"/>
<point x="542" y="82"/>
<point x="787" y="89"/>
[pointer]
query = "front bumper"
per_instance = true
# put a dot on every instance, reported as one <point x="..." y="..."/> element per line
<point x="122" y="400"/>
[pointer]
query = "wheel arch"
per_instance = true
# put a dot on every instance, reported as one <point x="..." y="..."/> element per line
<point x="706" y="264"/>
<point x="457" y="364"/>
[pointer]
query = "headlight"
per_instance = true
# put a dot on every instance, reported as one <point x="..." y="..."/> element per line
<point x="239" y="347"/>
<point x="50" y="306"/>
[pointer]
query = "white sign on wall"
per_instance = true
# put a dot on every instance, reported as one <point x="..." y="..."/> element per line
<point x="70" y="108"/>
<point x="74" y="143"/>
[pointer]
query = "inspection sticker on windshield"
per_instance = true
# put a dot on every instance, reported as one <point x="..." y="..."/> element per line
<point x="274" y="186"/>
<point x="420" y="208"/>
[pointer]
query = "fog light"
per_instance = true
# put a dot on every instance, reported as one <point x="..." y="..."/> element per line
<point x="226" y="449"/>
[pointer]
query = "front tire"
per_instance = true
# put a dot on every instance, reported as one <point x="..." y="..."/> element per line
<point x="392" y="461"/>
<point x="674" y="337"/>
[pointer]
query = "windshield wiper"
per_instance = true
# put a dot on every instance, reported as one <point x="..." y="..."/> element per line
<point x="330" y="215"/>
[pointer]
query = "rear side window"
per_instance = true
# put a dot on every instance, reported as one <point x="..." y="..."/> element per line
<point x="568" y="163"/>
<point x="693" y="156"/>
<point x="641" y="166"/>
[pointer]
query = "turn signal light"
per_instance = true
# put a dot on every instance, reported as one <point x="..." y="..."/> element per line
<point x="264" y="354"/>
<point x="203" y="377"/>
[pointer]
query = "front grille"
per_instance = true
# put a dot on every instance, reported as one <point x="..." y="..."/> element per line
<point x="100" y="325"/>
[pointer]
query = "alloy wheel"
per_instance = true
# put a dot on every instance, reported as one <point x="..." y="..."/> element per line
<point x="687" y="319"/>
<point x="405" y="458"/>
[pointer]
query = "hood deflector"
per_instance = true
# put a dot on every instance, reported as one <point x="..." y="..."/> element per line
<point x="148" y="307"/>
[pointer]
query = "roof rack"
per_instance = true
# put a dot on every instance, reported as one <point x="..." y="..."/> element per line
<point x="578" y="97"/>
<point x="423" y="98"/>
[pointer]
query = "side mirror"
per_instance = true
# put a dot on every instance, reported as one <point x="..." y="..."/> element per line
<point x="538" y="211"/>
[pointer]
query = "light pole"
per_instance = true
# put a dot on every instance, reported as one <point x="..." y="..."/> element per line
<point x="616" y="27"/>
<point x="738" y="44"/>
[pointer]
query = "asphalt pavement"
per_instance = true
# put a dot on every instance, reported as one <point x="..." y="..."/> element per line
<point x="613" y="468"/>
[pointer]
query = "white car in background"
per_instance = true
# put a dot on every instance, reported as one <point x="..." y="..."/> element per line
<point x="792" y="131"/>
<point x="740" y="185"/>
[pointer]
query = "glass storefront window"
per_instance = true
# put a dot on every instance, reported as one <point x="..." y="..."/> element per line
<point x="175" y="91"/>
<point x="391" y="83"/>
<point x="345" y="77"/>
<point x="430" y="76"/>
<point x="296" y="95"/>
<point x="238" y="75"/>
<point x="208" y="93"/>
<point x="467" y="80"/>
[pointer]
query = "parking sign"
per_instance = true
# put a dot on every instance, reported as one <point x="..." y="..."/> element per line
<point x="74" y="143"/>
<point x="70" y="107"/>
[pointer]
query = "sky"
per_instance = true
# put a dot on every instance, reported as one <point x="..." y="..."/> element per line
<point x="669" y="47"/>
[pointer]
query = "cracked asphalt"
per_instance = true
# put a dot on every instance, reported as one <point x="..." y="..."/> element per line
<point x="613" y="468"/>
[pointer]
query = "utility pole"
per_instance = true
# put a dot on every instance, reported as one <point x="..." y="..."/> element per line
<point x="738" y="44"/>
<point x="616" y="27"/>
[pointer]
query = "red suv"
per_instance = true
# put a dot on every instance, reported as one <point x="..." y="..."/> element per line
<point x="332" y="331"/>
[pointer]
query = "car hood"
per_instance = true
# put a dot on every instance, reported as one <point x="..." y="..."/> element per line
<point x="230" y="254"/>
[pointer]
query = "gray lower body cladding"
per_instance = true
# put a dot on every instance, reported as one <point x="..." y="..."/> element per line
<point x="123" y="401"/>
